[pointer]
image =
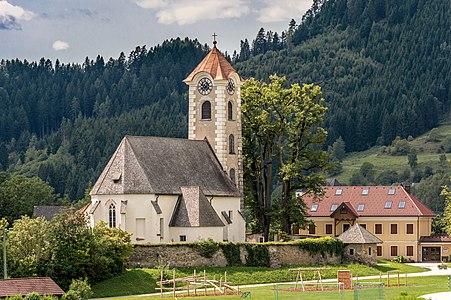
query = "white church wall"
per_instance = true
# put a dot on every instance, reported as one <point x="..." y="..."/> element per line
<point x="192" y="234"/>
<point x="236" y="231"/>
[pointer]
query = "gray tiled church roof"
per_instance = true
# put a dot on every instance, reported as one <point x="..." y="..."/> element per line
<point x="193" y="210"/>
<point x="157" y="165"/>
<point x="358" y="235"/>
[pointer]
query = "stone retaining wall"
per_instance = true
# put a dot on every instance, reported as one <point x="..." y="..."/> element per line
<point x="185" y="256"/>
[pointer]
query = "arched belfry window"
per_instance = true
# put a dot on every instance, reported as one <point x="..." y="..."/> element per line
<point x="231" y="144"/>
<point x="232" y="175"/>
<point x="206" y="111"/>
<point x="112" y="216"/>
<point x="230" y="111"/>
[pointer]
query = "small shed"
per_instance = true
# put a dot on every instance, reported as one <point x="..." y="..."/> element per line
<point x="360" y="245"/>
<point x="24" y="286"/>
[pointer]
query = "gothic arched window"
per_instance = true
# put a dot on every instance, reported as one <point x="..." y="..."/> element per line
<point x="206" y="111"/>
<point x="112" y="216"/>
<point x="231" y="144"/>
<point x="232" y="175"/>
<point x="230" y="111"/>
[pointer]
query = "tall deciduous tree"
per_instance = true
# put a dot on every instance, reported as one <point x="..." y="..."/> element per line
<point x="282" y="133"/>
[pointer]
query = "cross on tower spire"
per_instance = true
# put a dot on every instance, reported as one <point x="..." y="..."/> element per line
<point x="214" y="39"/>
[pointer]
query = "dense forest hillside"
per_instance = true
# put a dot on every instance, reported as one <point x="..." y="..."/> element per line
<point x="384" y="66"/>
<point x="63" y="122"/>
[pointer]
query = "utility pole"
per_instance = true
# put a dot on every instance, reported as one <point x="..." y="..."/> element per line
<point x="5" y="274"/>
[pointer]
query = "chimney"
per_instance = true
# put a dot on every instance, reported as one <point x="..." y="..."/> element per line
<point x="406" y="186"/>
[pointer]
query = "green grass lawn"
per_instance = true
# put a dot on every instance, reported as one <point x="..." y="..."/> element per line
<point x="416" y="286"/>
<point x="143" y="281"/>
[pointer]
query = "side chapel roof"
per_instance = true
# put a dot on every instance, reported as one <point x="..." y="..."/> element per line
<point x="157" y="165"/>
<point x="194" y="210"/>
<point x="214" y="64"/>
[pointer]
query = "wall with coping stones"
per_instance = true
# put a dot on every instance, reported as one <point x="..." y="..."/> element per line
<point x="185" y="256"/>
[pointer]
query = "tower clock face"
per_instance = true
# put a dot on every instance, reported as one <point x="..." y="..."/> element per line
<point x="205" y="86"/>
<point x="230" y="87"/>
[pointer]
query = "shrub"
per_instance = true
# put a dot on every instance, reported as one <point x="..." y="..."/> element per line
<point x="207" y="248"/>
<point x="70" y="295"/>
<point x="81" y="289"/>
<point x="322" y="245"/>
<point x="257" y="255"/>
<point x="400" y="259"/>
<point x="16" y="297"/>
<point x="33" y="296"/>
<point x="232" y="253"/>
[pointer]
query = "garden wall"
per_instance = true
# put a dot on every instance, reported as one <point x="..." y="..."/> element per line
<point x="208" y="253"/>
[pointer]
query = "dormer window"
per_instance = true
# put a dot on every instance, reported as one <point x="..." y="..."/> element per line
<point x="314" y="207"/>
<point x="360" y="207"/>
<point x="338" y="192"/>
<point x="391" y="191"/>
<point x="333" y="207"/>
<point x="365" y="192"/>
<point x="402" y="204"/>
<point x="388" y="204"/>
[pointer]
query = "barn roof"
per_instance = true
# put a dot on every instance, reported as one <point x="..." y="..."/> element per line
<point x="24" y="286"/>
<point x="157" y="165"/>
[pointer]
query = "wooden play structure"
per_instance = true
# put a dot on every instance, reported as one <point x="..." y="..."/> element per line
<point x="397" y="275"/>
<point x="316" y="272"/>
<point x="192" y="285"/>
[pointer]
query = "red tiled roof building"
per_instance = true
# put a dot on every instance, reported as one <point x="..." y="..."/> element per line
<point x="391" y="213"/>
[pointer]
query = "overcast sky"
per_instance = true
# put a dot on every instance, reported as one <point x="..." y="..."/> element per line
<point x="73" y="29"/>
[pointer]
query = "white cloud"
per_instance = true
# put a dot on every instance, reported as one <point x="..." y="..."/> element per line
<point x="151" y="3"/>
<point x="185" y="12"/>
<point x="282" y="10"/>
<point x="60" y="45"/>
<point x="10" y="15"/>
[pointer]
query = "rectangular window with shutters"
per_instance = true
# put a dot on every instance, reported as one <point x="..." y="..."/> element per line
<point x="378" y="228"/>
<point x="311" y="229"/>
<point x="409" y="229"/>
<point x="379" y="251"/>
<point x="394" y="228"/>
<point x="329" y="228"/>
<point x="394" y="250"/>
<point x="409" y="251"/>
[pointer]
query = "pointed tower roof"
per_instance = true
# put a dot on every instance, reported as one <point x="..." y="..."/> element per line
<point x="214" y="64"/>
<point x="194" y="210"/>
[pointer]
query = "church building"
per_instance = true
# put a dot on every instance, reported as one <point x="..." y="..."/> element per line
<point x="176" y="190"/>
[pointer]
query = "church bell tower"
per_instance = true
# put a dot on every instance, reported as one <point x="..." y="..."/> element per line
<point x="214" y="111"/>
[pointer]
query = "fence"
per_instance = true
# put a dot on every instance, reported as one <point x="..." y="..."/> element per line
<point x="369" y="291"/>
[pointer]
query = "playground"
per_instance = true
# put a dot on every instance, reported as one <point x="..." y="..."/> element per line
<point x="204" y="286"/>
